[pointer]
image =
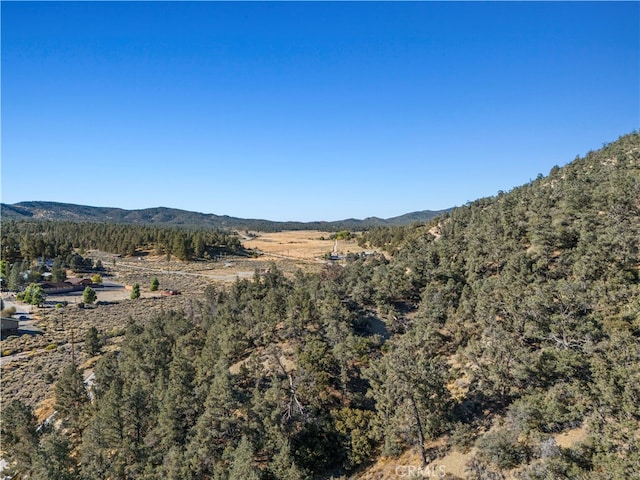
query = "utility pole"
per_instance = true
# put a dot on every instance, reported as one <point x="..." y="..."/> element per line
<point x="73" y="348"/>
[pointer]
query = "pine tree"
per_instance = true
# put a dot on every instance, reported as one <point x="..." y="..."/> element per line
<point x="216" y="427"/>
<point x="243" y="466"/>
<point x="71" y="398"/>
<point x="179" y="408"/>
<point x="54" y="459"/>
<point x="409" y="389"/>
<point x="283" y="466"/>
<point x="19" y="436"/>
<point x="103" y="439"/>
<point x="89" y="295"/>
<point x="92" y="343"/>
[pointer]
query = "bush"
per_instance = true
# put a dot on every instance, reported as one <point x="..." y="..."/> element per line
<point x="116" y="332"/>
<point x="8" y="312"/>
<point x="89" y="295"/>
<point x="51" y="346"/>
<point x="359" y="434"/>
<point x="555" y="410"/>
<point x="462" y="436"/>
<point x="502" y="449"/>
<point x="135" y="291"/>
<point x="6" y="352"/>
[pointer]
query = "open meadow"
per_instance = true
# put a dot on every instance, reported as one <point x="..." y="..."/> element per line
<point x="306" y="245"/>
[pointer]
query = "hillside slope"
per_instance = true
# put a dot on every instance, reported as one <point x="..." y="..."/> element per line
<point x="532" y="301"/>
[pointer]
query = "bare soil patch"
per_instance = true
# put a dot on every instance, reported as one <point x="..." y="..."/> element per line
<point x="408" y="465"/>
<point x="571" y="437"/>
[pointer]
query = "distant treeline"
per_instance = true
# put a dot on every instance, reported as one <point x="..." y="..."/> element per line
<point x="172" y="217"/>
<point x="29" y="240"/>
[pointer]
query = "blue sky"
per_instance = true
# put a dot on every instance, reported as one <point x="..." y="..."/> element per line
<point x="307" y="111"/>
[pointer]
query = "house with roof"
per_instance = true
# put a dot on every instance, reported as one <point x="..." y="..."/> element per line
<point x="72" y="284"/>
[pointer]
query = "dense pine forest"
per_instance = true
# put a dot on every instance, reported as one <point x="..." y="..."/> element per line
<point x="494" y="327"/>
<point x="29" y="240"/>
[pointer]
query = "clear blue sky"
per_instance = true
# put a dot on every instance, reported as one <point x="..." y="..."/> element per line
<point x="307" y="111"/>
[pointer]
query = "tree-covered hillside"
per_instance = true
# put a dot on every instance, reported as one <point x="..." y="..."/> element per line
<point x="509" y="320"/>
<point x="173" y="217"/>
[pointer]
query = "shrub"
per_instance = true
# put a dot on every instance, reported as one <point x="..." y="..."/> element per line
<point x="502" y="449"/>
<point x="89" y="295"/>
<point x="359" y="434"/>
<point x="8" y="312"/>
<point x="51" y="346"/>
<point x="116" y="332"/>
<point x="135" y="291"/>
<point x="462" y="436"/>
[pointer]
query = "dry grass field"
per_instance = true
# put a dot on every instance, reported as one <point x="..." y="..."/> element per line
<point x="306" y="245"/>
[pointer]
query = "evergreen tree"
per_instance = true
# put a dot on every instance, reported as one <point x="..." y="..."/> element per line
<point x="54" y="458"/>
<point x="58" y="271"/>
<point x="179" y="408"/>
<point x="71" y="398"/>
<point x="243" y="466"/>
<point x="19" y="436"/>
<point x="103" y="441"/>
<point x="89" y="295"/>
<point x="4" y="269"/>
<point x="92" y="343"/>
<point x="408" y="385"/>
<point x="283" y="466"/>
<point x="216" y="427"/>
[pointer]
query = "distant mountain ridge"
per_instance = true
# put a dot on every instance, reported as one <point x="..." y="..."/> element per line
<point x="163" y="216"/>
